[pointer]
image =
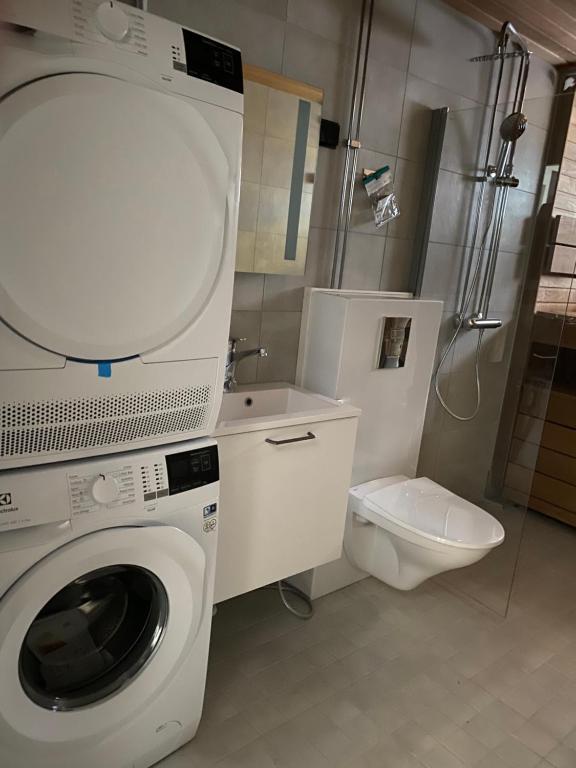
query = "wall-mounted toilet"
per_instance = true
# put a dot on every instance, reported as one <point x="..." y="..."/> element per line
<point x="377" y="351"/>
<point x="404" y="531"/>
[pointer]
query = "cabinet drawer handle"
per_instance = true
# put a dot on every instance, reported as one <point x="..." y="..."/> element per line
<point x="307" y="436"/>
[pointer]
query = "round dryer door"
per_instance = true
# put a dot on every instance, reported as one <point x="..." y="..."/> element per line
<point x="97" y="629"/>
<point x="113" y="209"/>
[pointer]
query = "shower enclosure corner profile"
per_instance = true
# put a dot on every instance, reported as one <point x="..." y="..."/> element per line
<point x="352" y="143"/>
<point x="433" y="158"/>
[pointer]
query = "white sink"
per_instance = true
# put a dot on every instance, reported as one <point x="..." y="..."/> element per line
<point x="264" y="406"/>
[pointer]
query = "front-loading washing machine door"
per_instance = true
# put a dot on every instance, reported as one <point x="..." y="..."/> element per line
<point x="95" y="631"/>
<point x="113" y="209"/>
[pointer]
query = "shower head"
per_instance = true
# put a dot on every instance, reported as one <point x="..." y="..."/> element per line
<point x="507" y="33"/>
<point x="513" y="126"/>
<point x="511" y="129"/>
<point x="498" y="56"/>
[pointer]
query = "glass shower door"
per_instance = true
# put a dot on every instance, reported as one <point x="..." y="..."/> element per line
<point x="487" y="377"/>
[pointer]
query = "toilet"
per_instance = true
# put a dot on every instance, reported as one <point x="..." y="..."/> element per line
<point x="397" y="529"/>
<point x="404" y="531"/>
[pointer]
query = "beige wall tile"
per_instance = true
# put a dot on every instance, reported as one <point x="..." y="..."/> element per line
<point x="273" y="210"/>
<point x="245" y="249"/>
<point x="277" y="162"/>
<point x="281" y="115"/>
<point x="255" y="105"/>
<point x="252" y="153"/>
<point x="248" y="210"/>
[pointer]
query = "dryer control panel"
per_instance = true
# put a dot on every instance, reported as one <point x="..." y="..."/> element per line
<point x="211" y="60"/>
<point x="182" y="59"/>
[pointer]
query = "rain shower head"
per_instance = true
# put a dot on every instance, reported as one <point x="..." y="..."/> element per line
<point x="499" y="56"/>
<point x="507" y="33"/>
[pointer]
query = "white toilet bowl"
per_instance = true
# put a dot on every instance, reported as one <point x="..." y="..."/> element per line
<point x="405" y="531"/>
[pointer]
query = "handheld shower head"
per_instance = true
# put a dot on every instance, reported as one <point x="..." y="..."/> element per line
<point x="511" y="129"/>
<point x="513" y="126"/>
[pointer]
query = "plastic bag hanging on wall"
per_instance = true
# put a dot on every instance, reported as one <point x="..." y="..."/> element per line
<point x="378" y="186"/>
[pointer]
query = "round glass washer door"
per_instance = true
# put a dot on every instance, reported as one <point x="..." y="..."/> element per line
<point x="93" y="637"/>
<point x="97" y="629"/>
<point x="113" y="213"/>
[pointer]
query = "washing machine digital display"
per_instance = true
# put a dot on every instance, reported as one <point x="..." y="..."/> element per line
<point x="192" y="469"/>
<point x="210" y="60"/>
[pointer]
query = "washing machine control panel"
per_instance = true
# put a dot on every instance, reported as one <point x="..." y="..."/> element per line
<point x="116" y="486"/>
<point x="92" y="490"/>
<point x="125" y="486"/>
<point x="192" y="469"/>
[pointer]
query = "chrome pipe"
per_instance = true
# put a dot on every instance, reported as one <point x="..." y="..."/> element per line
<point x="471" y="247"/>
<point x="480" y="200"/>
<point x="490" y="283"/>
<point x="356" y="148"/>
<point x="345" y="174"/>
<point x="493" y="224"/>
<point x="509" y="30"/>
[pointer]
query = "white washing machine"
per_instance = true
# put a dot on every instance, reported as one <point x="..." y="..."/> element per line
<point x="120" y="146"/>
<point x="106" y="584"/>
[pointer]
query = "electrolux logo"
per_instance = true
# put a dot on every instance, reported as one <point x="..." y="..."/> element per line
<point x="6" y="504"/>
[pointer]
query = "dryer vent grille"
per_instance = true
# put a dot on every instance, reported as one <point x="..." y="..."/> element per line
<point x="57" y="426"/>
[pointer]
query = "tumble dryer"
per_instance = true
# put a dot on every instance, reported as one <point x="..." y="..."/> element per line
<point x="120" y="146"/>
<point x="106" y="584"/>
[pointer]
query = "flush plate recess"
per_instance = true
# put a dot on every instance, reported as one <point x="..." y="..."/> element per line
<point x="393" y="345"/>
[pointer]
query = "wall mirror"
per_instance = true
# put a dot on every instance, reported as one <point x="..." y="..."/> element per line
<point x="280" y="150"/>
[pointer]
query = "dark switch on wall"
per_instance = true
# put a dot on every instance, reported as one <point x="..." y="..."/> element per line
<point x="329" y="134"/>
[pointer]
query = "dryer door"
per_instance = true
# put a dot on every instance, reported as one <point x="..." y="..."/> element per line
<point x="113" y="206"/>
<point x="96" y="630"/>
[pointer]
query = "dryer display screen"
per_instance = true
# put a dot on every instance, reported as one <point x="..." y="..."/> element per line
<point x="192" y="469"/>
<point x="210" y="60"/>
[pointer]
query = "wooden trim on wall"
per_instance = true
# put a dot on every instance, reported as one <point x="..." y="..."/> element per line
<point x="281" y="83"/>
<point x="550" y="46"/>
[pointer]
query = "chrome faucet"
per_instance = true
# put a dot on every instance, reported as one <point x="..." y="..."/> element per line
<point x="234" y="357"/>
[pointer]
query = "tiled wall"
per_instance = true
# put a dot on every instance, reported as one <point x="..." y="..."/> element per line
<point x="419" y="59"/>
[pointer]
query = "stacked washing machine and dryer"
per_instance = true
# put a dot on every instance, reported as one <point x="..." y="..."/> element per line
<point x="120" y="144"/>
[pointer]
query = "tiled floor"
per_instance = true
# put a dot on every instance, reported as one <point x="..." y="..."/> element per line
<point x="385" y="679"/>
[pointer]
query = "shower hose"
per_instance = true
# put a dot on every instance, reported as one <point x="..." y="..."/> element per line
<point x="461" y="320"/>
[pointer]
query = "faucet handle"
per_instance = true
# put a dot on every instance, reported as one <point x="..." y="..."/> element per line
<point x="232" y="343"/>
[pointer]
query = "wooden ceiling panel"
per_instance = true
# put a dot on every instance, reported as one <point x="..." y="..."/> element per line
<point x="548" y="25"/>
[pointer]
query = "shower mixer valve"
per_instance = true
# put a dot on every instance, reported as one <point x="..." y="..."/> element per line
<point x="477" y="322"/>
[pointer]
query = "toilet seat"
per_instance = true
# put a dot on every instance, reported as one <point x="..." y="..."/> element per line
<point x="405" y="531"/>
<point x="430" y="511"/>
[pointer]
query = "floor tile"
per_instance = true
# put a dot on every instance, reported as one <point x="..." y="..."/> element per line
<point x="440" y="757"/>
<point x="465" y="746"/>
<point x="562" y="756"/>
<point x="387" y="679"/>
<point x="516" y="754"/>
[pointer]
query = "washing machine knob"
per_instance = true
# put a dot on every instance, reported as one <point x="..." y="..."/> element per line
<point x="105" y="489"/>
<point x="112" y="21"/>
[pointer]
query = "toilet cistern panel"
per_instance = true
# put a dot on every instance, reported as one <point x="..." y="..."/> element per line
<point x="377" y="353"/>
